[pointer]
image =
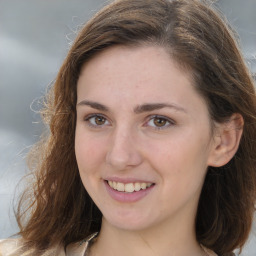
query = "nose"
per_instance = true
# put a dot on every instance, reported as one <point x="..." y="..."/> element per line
<point x="123" y="152"/>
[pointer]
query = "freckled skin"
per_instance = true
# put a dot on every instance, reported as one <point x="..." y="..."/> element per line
<point x="127" y="144"/>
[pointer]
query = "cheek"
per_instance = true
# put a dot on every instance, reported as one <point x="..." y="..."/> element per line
<point x="89" y="156"/>
<point x="182" y="171"/>
<point x="180" y="161"/>
<point x="89" y="152"/>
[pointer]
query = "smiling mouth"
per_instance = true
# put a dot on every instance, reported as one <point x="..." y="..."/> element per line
<point x="129" y="187"/>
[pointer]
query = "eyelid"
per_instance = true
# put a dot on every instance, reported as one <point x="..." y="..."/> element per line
<point x="169" y="120"/>
<point x="88" y="117"/>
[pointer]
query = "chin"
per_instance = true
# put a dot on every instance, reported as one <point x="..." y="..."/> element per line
<point x="129" y="220"/>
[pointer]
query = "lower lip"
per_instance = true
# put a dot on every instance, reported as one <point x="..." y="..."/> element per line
<point x="126" y="197"/>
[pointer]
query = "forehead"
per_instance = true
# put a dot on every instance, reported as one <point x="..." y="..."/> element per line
<point x="138" y="63"/>
<point x="135" y="75"/>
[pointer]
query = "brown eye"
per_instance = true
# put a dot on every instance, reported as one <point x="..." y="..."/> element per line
<point x="97" y="121"/>
<point x="159" y="122"/>
<point x="100" y="120"/>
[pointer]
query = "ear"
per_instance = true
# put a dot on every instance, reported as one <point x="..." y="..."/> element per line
<point x="226" y="140"/>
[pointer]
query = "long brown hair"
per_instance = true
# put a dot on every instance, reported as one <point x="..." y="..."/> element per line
<point x="199" y="40"/>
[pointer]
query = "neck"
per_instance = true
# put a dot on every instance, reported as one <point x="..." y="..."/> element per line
<point x="172" y="239"/>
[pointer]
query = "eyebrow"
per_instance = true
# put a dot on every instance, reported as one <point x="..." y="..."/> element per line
<point x="94" y="105"/>
<point x="155" y="106"/>
<point x="148" y="107"/>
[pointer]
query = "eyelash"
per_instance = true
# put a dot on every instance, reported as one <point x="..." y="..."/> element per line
<point x="88" y="118"/>
<point x="163" y="118"/>
<point x="169" y="121"/>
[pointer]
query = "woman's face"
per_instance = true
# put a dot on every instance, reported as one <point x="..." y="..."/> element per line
<point x="143" y="138"/>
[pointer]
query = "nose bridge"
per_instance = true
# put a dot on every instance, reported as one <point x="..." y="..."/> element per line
<point x="122" y="152"/>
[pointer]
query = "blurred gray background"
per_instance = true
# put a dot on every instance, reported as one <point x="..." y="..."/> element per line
<point x="34" y="38"/>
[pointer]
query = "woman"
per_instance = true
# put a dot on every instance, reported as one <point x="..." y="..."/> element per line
<point x="151" y="147"/>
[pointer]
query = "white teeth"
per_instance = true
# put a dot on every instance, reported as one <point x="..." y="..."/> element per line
<point x="128" y="187"/>
<point x="120" y="186"/>
<point x="143" y="185"/>
<point x="137" y="186"/>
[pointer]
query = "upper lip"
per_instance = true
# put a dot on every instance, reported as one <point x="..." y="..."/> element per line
<point x="127" y="180"/>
